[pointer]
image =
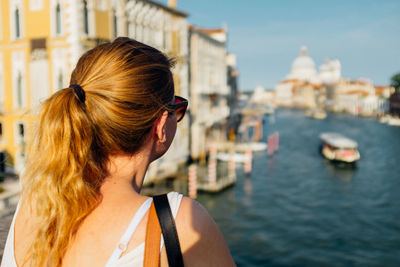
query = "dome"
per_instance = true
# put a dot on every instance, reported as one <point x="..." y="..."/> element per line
<point x="303" y="61"/>
<point x="303" y="67"/>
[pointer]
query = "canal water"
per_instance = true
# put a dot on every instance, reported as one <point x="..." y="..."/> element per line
<point x="297" y="209"/>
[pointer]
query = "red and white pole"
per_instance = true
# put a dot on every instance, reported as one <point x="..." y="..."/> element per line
<point x="270" y="145"/>
<point x="276" y="141"/>
<point x="248" y="161"/>
<point x="192" y="184"/>
<point x="212" y="165"/>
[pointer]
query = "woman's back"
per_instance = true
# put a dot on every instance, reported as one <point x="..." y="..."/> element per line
<point x="98" y="236"/>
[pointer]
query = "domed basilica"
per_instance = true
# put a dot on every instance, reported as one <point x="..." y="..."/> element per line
<point x="303" y="68"/>
<point x="304" y="86"/>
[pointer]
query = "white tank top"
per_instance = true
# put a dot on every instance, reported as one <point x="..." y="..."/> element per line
<point x="131" y="259"/>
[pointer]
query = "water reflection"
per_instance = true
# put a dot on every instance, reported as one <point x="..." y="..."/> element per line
<point x="342" y="171"/>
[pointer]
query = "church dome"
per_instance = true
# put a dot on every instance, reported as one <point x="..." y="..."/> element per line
<point x="303" y="67"/>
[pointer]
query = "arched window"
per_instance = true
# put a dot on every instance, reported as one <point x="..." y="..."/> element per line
<point x="58" y="19"/>
<point x="115" y="25"/>
<point x="60" y="81"/>
<point x="85" y="17"/>
<point x="17" y="24"/>
<point x="19" y="90"/>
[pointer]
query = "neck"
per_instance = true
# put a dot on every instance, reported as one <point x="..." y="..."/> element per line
<point x="126" y="175"/>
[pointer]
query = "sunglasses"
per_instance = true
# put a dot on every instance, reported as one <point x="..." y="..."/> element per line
<point x="179" y="107"/>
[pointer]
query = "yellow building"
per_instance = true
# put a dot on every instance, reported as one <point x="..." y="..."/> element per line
<point x="41" y="41"/>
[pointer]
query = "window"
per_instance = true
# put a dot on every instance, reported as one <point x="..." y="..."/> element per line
<point x="85" y="17"/>
<point x="58" y="19"/>
<point x="1" y="27"/>
<point x="19" y="90"/>
<point x="21" y="138"/>
<point x="115" y="21"/>
<point x="21" y="130"/>
<point x="17" y="23"/>
<point x="19" y="134"/>
<point x="1" y="83"/>
<point x="60" y="81"/>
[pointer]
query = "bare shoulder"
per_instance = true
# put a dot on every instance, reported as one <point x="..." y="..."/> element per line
<point x="201" y="241"/>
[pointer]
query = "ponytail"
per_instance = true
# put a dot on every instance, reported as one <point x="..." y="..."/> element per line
<point x="58" y="181"/>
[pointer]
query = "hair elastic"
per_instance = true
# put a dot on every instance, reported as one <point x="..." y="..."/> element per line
<point x="80" y="93"/>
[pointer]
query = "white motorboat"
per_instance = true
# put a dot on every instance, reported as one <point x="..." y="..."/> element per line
<point x="253" y="146"/>
<point x="394" y="121"/>
<point x="337" y="147"/>
<point x="236" y="157"/>
<point x="317" y="114"/>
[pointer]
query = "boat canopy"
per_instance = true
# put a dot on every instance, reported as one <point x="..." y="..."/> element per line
<point x="337" y="140"/>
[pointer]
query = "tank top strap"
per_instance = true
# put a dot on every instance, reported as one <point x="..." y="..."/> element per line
<point x="126" y="237"/>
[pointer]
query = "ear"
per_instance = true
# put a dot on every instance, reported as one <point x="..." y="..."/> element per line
<point x="160" y="131"/>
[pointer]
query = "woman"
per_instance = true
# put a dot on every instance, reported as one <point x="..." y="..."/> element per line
<point x="94" y="143"/>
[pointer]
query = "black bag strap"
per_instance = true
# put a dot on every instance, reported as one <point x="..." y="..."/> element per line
<point x="168" y="229"/>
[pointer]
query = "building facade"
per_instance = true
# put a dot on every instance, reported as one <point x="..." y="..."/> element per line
<point x="209" y="92"/>
<point x="41" y="41"/>
<point x="303" y="87"/>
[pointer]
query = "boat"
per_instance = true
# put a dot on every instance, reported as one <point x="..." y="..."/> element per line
<point x="317" y="114"/>
<point x="394" y="121"/>
<point x="253" y="146"/>
<point x="390" y="120"/>
<point x="236" y="157"/>
<point x="339" y="148"/>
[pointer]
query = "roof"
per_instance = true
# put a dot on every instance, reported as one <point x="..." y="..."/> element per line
<point x="213" y="33"/>
<point x="167" y="8"/>
<point x="337" y="140"/>
<point x="356" y="92"/>
<point x="207" y="31"/>
<point x="318" y="85"/>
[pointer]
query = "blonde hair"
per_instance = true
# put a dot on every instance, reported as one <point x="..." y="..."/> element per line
<point x="127" y="85"/>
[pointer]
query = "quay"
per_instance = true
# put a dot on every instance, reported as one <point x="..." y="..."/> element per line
<point x="219" y="185"/>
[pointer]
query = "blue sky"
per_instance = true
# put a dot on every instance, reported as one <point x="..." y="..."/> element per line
<point x="267" y="35"/>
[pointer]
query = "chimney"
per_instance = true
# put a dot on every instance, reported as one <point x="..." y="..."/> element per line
<point x="172" y="3"/>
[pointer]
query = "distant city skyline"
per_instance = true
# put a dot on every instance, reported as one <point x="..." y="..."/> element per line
<point x="267" y="36"/>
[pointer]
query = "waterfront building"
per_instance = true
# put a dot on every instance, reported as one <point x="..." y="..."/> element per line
<point x="330" y="71"/>
<point x="303" y="87"/>
<point x="384" y="91"/>
<point x="232" y="80"/>
<point x="303" y="68"/>
<point x="166" y="28"/>
<point x="394" y="104"/>
<point x="233" y="85"/>
<point x="41" y="41"/>
<point x="300" y="94"/>
<point x="209" y="92"/>
<point x="262" y="96"/>
<point x="383" y="94"/>
<point x="356" y="97"/>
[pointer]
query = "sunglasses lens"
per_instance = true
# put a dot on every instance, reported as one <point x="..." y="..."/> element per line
<point x="180" y="113"/>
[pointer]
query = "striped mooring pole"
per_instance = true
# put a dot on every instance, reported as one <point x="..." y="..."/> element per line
<point x="192" y="184"/>
<point x="248" y="161"/>
<point x="276" y="141"/>
<point x="212" y="165"/>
